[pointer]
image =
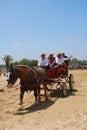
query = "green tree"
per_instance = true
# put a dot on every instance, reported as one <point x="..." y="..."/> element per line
<point x="24" y="62"/>
<point x="33" y="63"/>
<point x="74" y="61"/>
<point x="7" y="59"/>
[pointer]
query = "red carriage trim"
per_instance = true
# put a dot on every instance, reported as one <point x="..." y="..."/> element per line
<point x="55" y="73"/>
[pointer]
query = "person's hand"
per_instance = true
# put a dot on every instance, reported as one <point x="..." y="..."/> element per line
<point x="70" y="56"/>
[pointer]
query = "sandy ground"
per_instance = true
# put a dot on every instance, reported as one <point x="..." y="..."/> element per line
<point x="58" y="113"/>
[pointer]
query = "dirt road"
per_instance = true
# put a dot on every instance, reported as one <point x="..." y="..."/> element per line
<point x="58" y="113"/>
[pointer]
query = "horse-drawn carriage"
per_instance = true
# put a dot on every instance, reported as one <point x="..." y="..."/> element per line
<point x="33" y="78"/>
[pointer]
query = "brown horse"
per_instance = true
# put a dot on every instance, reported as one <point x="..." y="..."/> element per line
<point x="30" y="79"/>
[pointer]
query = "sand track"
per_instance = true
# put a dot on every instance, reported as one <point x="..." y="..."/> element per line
<point x="58" y="113"/>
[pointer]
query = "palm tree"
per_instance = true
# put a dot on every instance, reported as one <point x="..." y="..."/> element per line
<point x="7" y="59"/>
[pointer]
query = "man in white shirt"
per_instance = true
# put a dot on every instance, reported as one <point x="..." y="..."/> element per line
<point x="61" y="60"/>
<point x="43" y="61"/>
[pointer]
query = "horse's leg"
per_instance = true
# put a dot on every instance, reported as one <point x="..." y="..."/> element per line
<point x="45" y="91"/>
<point x="38" y="91"/>
<point x="21" y="97"/>
<point x="35" y="94"/>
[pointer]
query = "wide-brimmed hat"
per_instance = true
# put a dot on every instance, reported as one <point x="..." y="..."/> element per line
<point x="51" y="54"/>
<point x="59" y="54"/>
<point x="43" y="54"/>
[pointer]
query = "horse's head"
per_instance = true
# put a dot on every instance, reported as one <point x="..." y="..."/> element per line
<point x="12" y="77"/>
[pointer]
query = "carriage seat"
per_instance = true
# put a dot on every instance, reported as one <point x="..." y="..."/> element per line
<point x="56" y="72"/>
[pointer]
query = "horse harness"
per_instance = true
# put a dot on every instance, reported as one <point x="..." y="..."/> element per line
<point x="35" y="80"/>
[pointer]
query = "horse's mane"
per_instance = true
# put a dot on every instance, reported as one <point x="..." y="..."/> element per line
<point x="26" y="67"/>
<point x="23" y="66"/>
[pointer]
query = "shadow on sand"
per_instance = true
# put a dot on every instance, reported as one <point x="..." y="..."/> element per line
<point x="33" y="108"/>
<point x="2" y="90"/>
<point x="56" y="94"/>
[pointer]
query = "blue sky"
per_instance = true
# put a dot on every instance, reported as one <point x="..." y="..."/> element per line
<point x="31" y="27"/>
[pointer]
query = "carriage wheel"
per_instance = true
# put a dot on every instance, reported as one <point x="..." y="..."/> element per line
<point x="71" y="82"/>
<point x="64" y="91"/>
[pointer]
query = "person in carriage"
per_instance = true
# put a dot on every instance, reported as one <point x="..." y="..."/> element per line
<point x="51" y="61"/>
<point x="66" y="58"/>
<point x="61" y="59"/>
<point x="43" y="61"/>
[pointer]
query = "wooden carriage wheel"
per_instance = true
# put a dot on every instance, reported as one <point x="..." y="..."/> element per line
<point x="63" y="88"/>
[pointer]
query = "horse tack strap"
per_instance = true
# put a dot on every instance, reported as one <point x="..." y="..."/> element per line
<point x="35" y="78"/>
<point x="38" y="79"/>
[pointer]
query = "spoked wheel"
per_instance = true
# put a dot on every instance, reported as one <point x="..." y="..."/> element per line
<point x="71" y="82"/>
<point x="63" y="88"/>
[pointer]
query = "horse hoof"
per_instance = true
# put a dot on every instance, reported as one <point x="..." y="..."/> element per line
<point x="20" y="108"/>
<point x="36" y="103"/>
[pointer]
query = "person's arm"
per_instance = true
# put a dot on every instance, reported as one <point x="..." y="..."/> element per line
<point x="39" y="62"/>
<point x="56" y="59"/>
<point x="68" y="58"/>
<point x="46" y="61"/>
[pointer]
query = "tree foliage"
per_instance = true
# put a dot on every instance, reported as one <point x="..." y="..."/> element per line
<point x="31" y="63"/>
<point x="78" y="63"/>
<point x="7" y="59"/>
